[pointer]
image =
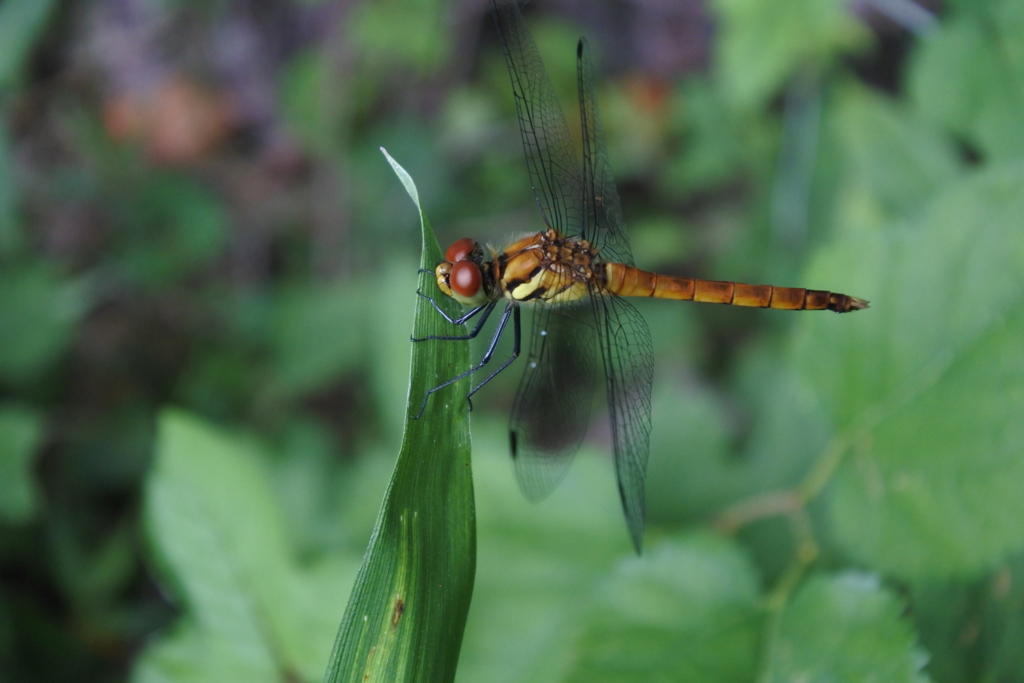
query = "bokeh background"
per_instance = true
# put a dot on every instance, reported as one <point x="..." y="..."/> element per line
<point x="194" y="213"/>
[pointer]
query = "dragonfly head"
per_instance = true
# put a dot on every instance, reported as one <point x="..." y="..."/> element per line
<point x="459" y="275"/>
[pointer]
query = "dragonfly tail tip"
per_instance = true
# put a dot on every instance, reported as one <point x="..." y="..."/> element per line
<point x="858" y="304"/>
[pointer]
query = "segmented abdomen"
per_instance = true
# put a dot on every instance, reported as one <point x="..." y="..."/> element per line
<point x="629" y="281"/>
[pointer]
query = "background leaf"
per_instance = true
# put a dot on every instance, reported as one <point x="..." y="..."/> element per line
<point x="689" y="611"/>
<point x="969" y="76"/>
<point x="10" y="236"/>
<point x="21" y="22"/>
<point x="845" y="628"/>
<point x="902" y="160"/>
<point x="304" y="317"/>
<point x="922" y="391"/>
<point x="21" y="430"/>
<point x="538" y="563"/>
<point x="39" y="310"/>
<point x="764" y="42"/>
<point x="251" y="612"/>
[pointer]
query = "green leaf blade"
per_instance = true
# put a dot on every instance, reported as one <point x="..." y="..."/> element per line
<point x="407" y="612"/>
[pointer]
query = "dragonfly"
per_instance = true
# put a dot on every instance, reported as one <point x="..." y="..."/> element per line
<point x="575" y="275"/>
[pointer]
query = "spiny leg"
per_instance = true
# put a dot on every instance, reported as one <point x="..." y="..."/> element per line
<point x="483" y="361"/>
<point x="516" y="337"/>
<point x="459" y="321"/>
<point x="453" y="321"/>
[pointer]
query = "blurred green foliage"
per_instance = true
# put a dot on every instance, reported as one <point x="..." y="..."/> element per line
<point x="21" y="430"/>
<point x="207" y="277"/>
<point x="220" y="540"/>
<point x="21" y="22"/>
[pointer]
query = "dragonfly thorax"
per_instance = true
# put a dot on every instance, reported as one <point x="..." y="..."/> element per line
<point x="549" y="267"/>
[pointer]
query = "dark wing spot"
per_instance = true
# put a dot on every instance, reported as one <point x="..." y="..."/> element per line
<point x="512" y="442"/>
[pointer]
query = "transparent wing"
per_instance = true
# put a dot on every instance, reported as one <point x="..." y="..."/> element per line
<point x="628" y="357"/>
<point x="602" y="215"/>
<point x="550" y="156"/>
<point x="552" y="406"/>
<point x="551" y="410"/>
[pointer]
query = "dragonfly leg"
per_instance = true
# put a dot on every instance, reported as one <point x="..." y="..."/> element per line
<point x="486" y="357"/>
<point x="459" y="321"/>
<point x="454" y="321"/>
<point x="516" y="338"/>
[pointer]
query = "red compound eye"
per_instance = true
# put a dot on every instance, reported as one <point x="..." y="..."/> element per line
<point x="460" y="250"/>
<point x="465" y="278"/>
